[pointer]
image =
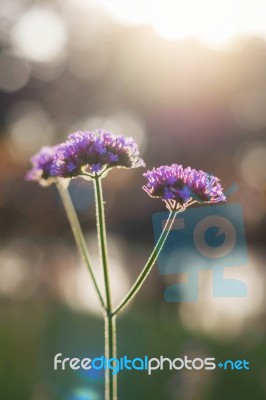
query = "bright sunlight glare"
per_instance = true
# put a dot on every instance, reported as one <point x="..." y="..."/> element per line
<point x="212" y="21"/>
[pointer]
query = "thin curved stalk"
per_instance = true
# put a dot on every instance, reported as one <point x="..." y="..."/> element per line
<point x="148" y="266"/>
<point x="79" y="237"/>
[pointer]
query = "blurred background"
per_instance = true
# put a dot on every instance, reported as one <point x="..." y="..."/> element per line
<point x="187" y="80"/>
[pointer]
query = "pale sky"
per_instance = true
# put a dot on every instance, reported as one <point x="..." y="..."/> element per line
<point x="214" y="21"/>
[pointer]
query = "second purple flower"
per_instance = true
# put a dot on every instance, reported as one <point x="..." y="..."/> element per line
<point x="180" y="187"/>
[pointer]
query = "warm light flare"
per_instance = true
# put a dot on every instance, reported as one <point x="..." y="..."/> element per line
<point x="212" y="21"/>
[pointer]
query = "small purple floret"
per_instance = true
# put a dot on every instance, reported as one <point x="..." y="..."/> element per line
<point x="42" y="163"/>
<point x="180" y="187"/>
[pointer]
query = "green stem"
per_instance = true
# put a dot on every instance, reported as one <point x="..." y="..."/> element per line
<point x="110" y="352"/>
<point x="102" y="239"/>
<point x="110" y="331"/>
<point x="78" y="235"/>
<point x="148" y="266"/>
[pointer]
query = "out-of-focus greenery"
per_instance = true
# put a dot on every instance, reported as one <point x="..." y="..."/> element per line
<point x="32" y="334"/>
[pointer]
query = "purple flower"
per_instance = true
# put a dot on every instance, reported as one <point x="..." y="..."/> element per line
<point x="94" y="152"/>
<point x="84" y="152"/>
<point x="41" y="166"/>
<point x="180" y="187"/>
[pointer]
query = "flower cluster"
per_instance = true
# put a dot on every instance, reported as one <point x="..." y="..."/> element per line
<point x="180" y="187"/>
<point x="92" y="154"/>
<point x="85" y="153"/>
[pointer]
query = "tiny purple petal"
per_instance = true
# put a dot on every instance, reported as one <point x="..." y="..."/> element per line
<point x="96" y="167"/>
